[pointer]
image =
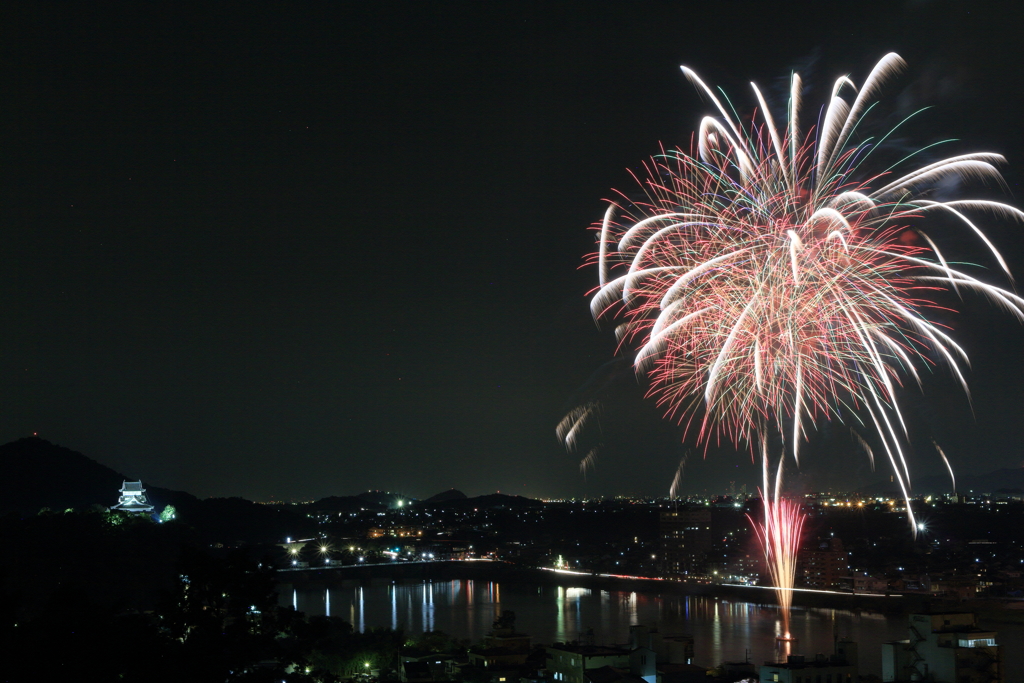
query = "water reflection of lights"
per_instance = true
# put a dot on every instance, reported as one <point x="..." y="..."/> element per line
<point x="560" y="613"/>
<point x="394" y="607"/>
<point x="727" y="628"/>
<point x="362" y="616"/>
<point x="716" y="633"/>
<point x="428" y="610"/>
<point x="785" y="645"/>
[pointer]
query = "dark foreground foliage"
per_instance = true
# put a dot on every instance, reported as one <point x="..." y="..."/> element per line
<point x="103" y="596"/>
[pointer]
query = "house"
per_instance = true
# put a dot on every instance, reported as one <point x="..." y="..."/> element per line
<point x="943" y="648"/>
<point x="669" y="649"/>
<point x="418" y="666"/>
<point x="502" y="647"/>
<point x="609" y="674"/>
<point x="797" y="669"/>
<point x="568" y="662"/>
<point x="839" y="667"/>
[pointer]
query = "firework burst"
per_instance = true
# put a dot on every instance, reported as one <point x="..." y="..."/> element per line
<point x="768" y="279"/>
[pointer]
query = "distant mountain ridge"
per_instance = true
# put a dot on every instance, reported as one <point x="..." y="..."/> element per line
<point x="37" y="474"/>
<point x="343" y="504"/>
<point x="444" y="497"/>
<point x="490" y="500"/>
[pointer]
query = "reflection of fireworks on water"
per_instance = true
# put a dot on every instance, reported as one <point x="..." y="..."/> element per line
<point x="769" y="281"/>
<point x="780" y="536"/>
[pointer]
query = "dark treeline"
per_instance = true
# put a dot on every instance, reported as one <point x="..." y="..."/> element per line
<point x="104" y="596"/>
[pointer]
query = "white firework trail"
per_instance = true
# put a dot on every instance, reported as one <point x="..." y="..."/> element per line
<point x="949" y="467"/>
<point x="677" y="480"/>
<point x="570" y="426"/>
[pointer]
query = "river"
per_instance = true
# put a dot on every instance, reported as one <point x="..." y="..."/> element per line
<point x="723" y="630"/>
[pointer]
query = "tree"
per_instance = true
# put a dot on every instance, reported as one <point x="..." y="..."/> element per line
<point x="168" y="514"/>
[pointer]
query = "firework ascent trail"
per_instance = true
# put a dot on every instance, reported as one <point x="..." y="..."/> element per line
<point x="769" y="280"/>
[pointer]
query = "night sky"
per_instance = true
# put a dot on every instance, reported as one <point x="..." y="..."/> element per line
<point x="289" y="251"/>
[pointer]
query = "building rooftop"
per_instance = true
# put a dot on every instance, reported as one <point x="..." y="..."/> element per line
<point x="609" y="674"/>
<point x="133" y="498"/>
<point x="802" y="662"/>
<point x="589" y="650"/>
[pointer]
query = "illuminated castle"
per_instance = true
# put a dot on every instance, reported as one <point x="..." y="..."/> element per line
<point x="133" y="498"/>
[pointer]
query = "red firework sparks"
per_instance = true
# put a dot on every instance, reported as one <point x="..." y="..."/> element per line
<point x="780" y="535"/>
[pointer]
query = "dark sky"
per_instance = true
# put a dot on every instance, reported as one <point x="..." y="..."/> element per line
<point x="290" y="250"/>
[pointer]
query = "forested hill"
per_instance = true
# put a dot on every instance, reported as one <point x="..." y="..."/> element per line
<point x="36" y="474"/>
